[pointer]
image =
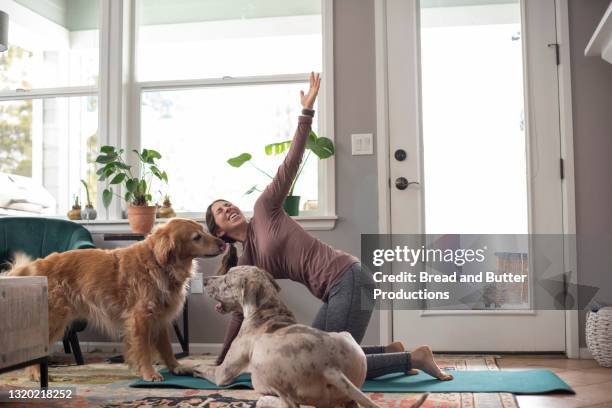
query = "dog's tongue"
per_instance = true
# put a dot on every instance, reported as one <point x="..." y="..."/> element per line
<point x="219" y="307"/>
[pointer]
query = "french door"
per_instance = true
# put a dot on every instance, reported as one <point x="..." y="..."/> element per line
<point x="473" y="112"/>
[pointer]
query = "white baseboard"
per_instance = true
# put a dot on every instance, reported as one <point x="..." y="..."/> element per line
<point x="117" y="347"/>
<point x="585" y="354"/>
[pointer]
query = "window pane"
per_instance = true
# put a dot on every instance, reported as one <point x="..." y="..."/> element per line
<point x="197" y="131"/>
<point x="473" y="119"/>
<point x="210" y="39"/>
<point x="46" y="147"/>
<point x="51" y="46"/>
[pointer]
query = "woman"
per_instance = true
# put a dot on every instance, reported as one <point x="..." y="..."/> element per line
<point x="275" y="242"/>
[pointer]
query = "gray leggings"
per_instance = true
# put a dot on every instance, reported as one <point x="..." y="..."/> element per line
<point x="349" y="308"/>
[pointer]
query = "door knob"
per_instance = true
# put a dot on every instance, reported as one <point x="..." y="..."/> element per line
<point x="402" y="183"/>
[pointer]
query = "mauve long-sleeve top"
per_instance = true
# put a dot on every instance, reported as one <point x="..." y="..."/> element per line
<point x="276" y="243"/>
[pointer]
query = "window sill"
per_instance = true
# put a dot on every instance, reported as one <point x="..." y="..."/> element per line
<point x="308" y="222"/>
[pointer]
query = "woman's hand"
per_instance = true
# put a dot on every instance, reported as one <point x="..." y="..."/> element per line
<point x="308" y="99"/>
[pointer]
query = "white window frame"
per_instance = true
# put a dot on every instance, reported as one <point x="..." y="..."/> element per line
<point x="27" y="18"/>
<point x="325" y="217"/>
<point x="119" y="102"/>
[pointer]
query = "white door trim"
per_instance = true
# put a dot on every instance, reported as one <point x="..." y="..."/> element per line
<point x="572" y="328"/>
<point x="382" y="145"/>
<point x="567" y="152"/>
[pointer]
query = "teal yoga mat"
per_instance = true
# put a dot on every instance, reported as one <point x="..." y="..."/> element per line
<point x="516" y="382"/>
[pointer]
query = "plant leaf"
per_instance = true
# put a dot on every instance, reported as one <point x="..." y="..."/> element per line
<point x="239" y="160"/>
<point x="250" y="190"/>
<point x="118" y="178"/>
<point x="153" y="154"/>
<point x="122" y="166"/>
<point x="312" y="138"/>
<point x="323" y="148"/>
<point x="156" y="172"/>
<point x="131" y="185"/>
<point x="107" y="197"/>
<point x="277" y="148"/>
<point x="107" y="149"/>
<point x="128" y="196"/>
<point x="142" y="187"/>
<point x="103" y="159"/>
<point x="108" y="171"/>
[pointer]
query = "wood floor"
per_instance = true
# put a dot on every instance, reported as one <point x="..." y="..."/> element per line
<point x="592" y="383"/>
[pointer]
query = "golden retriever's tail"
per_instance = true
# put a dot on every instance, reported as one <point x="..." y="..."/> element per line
<point x="21" y="266"/>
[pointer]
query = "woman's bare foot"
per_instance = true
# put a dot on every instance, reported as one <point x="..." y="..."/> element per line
<point x="398" y="347"/>
<point x="423" y="359"/>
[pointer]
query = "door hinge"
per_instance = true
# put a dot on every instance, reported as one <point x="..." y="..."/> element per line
<point x="561" y="168"/>
<point x="557" y="56"/>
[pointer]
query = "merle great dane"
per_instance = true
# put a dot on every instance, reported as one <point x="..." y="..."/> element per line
<point x="290" y="364"/>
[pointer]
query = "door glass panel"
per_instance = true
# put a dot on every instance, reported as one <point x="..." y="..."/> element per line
<point x="474" y="134"/>
<point x="475" y="163"/>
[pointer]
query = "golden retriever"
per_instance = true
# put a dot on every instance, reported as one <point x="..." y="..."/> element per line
<point x="134" y="292"/>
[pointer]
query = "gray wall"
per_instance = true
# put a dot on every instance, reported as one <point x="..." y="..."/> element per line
<point x="356" y="183"/>
<point x="592" y="105"/>
<point x="356" y="191"/>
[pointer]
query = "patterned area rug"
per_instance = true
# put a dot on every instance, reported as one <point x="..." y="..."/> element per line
<point x="100" y="384"/>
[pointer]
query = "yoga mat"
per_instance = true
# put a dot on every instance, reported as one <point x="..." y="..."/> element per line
<point x="515" y="382"/>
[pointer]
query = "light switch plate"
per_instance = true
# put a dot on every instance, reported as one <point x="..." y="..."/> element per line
<point x="197" y="283"/>
<point x="362" y="144"/>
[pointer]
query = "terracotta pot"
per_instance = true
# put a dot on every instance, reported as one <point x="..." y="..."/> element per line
<point x="141" y="219"/>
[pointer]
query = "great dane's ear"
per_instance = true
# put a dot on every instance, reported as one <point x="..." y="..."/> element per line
<point x="163" y="245"/>
<point x="253" y="293"/>
<point x="255" y="288"/>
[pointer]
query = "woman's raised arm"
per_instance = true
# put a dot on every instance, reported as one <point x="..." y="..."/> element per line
<point x="275" y="193"/>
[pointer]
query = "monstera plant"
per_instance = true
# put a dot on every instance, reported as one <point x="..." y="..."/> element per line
<point x="115" y="171"/>
<point x="322" y="147"/>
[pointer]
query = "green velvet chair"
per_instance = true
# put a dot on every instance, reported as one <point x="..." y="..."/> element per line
<point x="38" y="237"/>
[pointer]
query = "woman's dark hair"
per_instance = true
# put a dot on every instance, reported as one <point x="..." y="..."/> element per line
<point x="231" y="258"/>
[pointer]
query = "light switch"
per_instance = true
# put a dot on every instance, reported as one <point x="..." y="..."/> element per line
<point x="197" y="283"/>
<point x="362" y="143"/>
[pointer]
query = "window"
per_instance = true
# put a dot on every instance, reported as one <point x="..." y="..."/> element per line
<point x="187" y="39"/>
<point x="48" y="105"/>
<point x="208" y="80"/>
<point x="221" y="78"/>
<point x="52" y="141"/>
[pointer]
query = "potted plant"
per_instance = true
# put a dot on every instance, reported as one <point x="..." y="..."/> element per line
<point x="75" y="213"/>
<point x="166" y="210"/>
<point x="322" y="147"/>
<point x="89" y="213"/>
<point x="141" y="215"/>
